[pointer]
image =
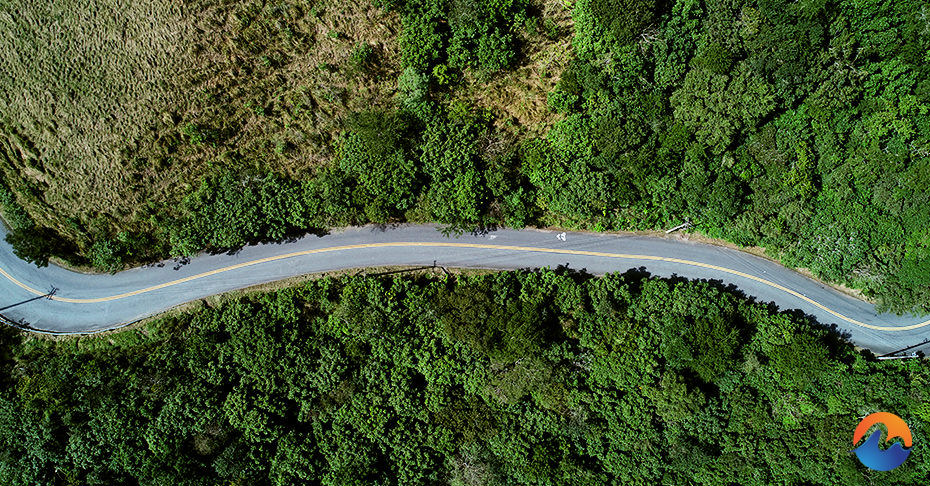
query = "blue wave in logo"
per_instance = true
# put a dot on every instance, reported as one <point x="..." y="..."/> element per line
<point x="873" y="457"/>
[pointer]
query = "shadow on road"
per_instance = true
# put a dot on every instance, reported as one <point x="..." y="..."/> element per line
<point x="832" y="337"/>
<point x="38" y="297"/>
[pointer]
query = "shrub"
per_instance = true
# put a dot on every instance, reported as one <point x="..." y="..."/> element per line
<point x="376" y="156"/>
<point x="605" y="26"/>
<point x="105" y="255"/>
<point x="362" y="57"/>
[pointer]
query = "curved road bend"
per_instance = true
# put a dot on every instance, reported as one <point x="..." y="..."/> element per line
<point x="88" y="303"/>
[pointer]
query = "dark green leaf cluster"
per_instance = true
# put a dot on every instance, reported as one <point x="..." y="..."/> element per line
<point x="230" y="210"/>
<point x="800" y="127"/>
<point x="391" y="167"/>
<point x="606" y="26"/>
<point x="460" y="34"/>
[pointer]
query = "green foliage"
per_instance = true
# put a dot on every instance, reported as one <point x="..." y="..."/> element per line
<point x="718" y="107"/>
<point x="565" y="96"/>
<point x="13" y="213"/>
<point x="764" y="131"/>
<point x="569" y="187"/>
<point x="509" y="378"/>
<point x="482" y="316"/>
<point x="196" y="134"/>
<point x="420" y="42"/>
<point x="479" y="35"/>
<point x="607" y="26"/>
<point x="414" y="93"/>
<point x="229" y="211"/>
<point x="713" y="58"/>
<point x="363" y="56"/>
<point x="441" y="74"/>
<point x="457" y="192"/>
<point x="376" y="155"/>
<point x="105" y="255"/>
<point x="512" y="193"/>
<point x="30" y="242"/>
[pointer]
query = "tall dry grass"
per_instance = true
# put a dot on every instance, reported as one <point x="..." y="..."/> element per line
<point x="112" y="109"/>
<point x="80" y="79"/>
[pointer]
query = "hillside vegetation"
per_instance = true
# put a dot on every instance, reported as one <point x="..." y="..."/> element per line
<point x="502" y="379"/>
<point x="113" y="124"/>
<point x="802" y="127"/>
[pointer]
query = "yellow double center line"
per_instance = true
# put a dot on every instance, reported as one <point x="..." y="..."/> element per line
<point x="467" y="245"/>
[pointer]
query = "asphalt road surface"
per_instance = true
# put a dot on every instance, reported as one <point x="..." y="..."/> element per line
<point x="90" y="303"/>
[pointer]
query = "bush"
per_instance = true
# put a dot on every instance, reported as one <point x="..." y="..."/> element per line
<point x="12" y="212"/>
<point x="414" y="93"/>
<point x="605" y="26"/>
<point x="376" y="154"/>
<point x="229" y="210"/>
<point x="456" y="193"/>
<point x="561" y="101"/>
<point x="420" y="42"/>
<point x="106" y="255"/>
<point x="480" y="35"/>
<point x="362" y="57"/>
<point x="197" y="134"/>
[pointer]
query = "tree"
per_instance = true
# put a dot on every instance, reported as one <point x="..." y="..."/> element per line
<point x="718" y="107"/>
<point x="605" y="26"/>
<point x="376" y="154"/>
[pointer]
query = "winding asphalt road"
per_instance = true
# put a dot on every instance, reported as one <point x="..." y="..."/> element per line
<point x="91" y="303"/>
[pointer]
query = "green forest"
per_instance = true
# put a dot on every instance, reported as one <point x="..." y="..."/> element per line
<point x="545" y="377"/>
<point x="799" y="126"/>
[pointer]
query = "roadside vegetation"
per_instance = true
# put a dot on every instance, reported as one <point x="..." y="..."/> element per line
<point x="545" y="377"/>
<point x="802" y="127"/>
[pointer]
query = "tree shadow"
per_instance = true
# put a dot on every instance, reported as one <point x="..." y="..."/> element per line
<point x="10" y="339"/>
<point x="385" y="227"/>
<point x="9" y="325"/>
<point x="835" y="339"/>
<point x="291" y="236"/>
<point x="483" y="229"/>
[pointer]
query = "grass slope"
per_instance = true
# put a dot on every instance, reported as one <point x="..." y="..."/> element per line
<point x="116" y="110"/>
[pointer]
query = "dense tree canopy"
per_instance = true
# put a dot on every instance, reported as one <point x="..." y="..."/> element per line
<point x="510" y="378"/>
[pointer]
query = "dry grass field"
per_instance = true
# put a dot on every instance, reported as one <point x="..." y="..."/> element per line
<point x="80" y="79"/>
<point x="110" y="109"/>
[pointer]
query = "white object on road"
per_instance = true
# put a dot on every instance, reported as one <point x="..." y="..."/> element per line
<point x="561" y="236"/>
<point x="685" y="225"/>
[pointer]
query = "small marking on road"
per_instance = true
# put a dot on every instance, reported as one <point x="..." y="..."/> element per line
<point x="561" y="236"/>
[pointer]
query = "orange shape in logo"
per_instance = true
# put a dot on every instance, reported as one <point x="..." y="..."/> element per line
<point x="895" y="425"/>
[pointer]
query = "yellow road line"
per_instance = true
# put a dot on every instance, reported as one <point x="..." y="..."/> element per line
<point x="467" y="245"/>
